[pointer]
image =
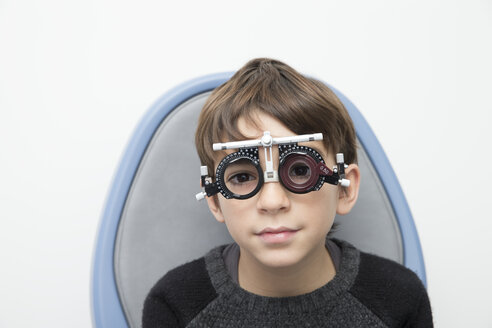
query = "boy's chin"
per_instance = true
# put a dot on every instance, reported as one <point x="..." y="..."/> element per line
<point x="280" y="260"/>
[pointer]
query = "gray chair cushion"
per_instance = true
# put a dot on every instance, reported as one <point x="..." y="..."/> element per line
<point x="162" y="224"/>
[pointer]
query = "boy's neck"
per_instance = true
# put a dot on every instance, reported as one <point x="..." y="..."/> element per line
<point x="304" y="277"/>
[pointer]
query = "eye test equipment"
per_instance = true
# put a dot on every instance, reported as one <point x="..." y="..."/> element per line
<point x="301" y="169"/>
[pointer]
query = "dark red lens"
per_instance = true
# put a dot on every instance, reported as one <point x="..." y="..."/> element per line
<point x="298" y="173"/>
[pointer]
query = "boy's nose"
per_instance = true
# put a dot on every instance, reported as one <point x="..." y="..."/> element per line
<point x="273" y="198"/>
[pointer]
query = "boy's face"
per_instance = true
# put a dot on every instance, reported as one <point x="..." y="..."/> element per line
<point x="275" y="227"/>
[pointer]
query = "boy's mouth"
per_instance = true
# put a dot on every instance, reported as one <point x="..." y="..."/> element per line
<point x="276" y="235"/>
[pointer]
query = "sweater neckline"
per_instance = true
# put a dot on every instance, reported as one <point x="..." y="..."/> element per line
<point x="312" y="301"/>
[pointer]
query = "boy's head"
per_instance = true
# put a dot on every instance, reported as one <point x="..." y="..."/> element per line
<point x="277" y="227"/>
<point x="302" y="104"/>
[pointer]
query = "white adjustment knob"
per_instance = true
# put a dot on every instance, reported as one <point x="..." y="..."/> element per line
<point x="267" y="139"/>
<point x="200" y="195"/>
<point x="340" y="158"/>
<point x="344" y="182"/>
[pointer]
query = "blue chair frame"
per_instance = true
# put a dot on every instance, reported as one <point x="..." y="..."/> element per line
<point x="107" y="310"/>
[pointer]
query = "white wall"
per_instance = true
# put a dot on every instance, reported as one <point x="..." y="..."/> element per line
<point x="76" y="76"/>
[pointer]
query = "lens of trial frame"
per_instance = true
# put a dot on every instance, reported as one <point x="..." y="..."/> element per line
<point x="298" y="172"/>
<point x="241" y="176"/>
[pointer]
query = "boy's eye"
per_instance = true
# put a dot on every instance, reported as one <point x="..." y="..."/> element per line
<point x="241" y="177"/>
<point x="242" y="183"/>
<point x="300" y="170"/>
<point x="299" y="173"/>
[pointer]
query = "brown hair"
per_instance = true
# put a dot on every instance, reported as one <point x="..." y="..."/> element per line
<point x="303" y="105"/>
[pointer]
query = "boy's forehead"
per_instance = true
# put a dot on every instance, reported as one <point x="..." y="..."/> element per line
<point x="253" y="126"/>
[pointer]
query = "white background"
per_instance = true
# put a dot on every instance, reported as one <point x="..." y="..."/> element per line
<point x="76" y="76"/>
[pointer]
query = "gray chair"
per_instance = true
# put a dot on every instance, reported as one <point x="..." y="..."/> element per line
<point x="152" y="222"/>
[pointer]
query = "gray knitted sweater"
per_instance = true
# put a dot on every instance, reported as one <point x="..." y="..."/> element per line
<point x="367" y="291"/>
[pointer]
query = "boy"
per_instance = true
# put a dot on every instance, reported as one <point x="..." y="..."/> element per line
<point x="275" y="144"/>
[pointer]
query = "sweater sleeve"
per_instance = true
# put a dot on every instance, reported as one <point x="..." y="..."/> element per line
<point x="157" y="313"/>
<point x="422" y="315"/>
<point x="392" y="292"/>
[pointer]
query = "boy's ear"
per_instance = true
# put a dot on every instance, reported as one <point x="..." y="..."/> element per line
<point x="348" y="195"/>
<point x="213" y="205"/>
